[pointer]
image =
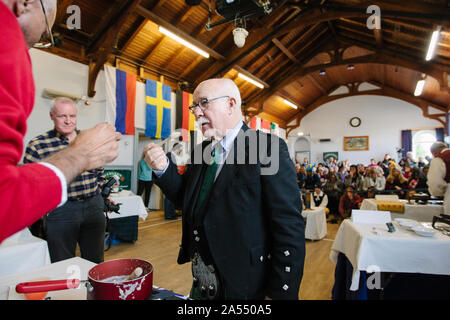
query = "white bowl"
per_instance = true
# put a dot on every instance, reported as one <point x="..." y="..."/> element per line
<point x="408" y="224"/>
<point x="424" y="232"/>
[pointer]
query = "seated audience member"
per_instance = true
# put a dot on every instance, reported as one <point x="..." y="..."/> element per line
<point x="418" y="179"/>
<point x="425" y="170"/>
<point x="349" y="201"/>
<point x="353" y="179"/>
<point x="324" y="175"/>
<point x="407" y="171"/>
<point x="342" y="173"/>
<point x="333" y="189"/>
<point x="421" y="162"/>
<point x="410" y="159"/>
<point x="374" y="179"/>
<point x="312" y="179"/>
<point x="361" y="170"/>
<point x="396" y="181"/>
<point x="319" y="200"/>
<point x="301" y="177"/>
<point x="372" y="163"/>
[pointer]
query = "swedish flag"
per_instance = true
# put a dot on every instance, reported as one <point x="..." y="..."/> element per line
<point x="158" y="109"/>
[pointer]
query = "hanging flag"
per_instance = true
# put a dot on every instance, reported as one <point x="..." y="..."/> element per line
<point x="120" y="99"/>
<point x="157" y="112"/>
<point x="274" y="129"/>
<point x="255" y="123"/>
<point x="185" y="119"/>
<point x="265" y="125"/>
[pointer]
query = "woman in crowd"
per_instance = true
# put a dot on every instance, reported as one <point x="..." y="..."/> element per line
<point x="396" y="181"/>
<point x="374" y="179"/>
<point x="353" y="179"/>
<point x="418" y="179"/>
<point x="333" y="189"/>
<point x="349" y="201"/>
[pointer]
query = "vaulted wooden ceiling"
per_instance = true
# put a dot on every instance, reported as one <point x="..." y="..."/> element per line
<point x="285" y="49"/>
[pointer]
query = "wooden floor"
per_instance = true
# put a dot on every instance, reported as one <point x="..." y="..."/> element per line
<point x="159" y="239"/>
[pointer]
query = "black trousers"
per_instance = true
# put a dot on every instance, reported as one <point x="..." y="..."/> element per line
<point x="81" y="222"/>
<point x="147" y="187"/>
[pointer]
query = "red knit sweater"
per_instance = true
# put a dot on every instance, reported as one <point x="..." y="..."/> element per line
<point x="29" y="191"/>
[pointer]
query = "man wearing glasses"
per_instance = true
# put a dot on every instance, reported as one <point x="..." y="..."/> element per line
<point x="242" y="229"/>
<point x="30" y="191"/>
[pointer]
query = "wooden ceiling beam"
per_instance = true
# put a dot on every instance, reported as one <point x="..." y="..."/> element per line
<point x="106" y="44"/>
<point x="161" y="22"/>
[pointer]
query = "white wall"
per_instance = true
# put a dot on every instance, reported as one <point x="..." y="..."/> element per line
<point x="382" y="119"/>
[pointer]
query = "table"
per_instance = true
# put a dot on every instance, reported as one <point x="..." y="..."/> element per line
<point x="124" y="225"/>
<point x="67" y="269"/>
<point x="402" y="252"/>
<point x="21" y="252"/>
<point x="316" y="223"/>
<point x="131" y="205"/>
<point x="419" y="212"/>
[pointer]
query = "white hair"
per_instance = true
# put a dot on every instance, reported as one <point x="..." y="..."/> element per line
<point x="61" y="100"/>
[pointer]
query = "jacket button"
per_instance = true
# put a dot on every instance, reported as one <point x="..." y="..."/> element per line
<point x="195" y="232"/>
<point x="197" y="239"/>
<point x="288" y="269"/>
<point x="285" y="287"/>
<point x="261" y="258"/>
<point x="287" y="253"/>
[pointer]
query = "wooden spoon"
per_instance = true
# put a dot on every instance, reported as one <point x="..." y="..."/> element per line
<point x="135" y="274"/>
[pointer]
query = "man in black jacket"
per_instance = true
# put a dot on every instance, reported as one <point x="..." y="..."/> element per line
<point x="242" y="224"/>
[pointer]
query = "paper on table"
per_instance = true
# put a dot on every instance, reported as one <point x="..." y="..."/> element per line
<point x="386" y="197"/>
<point x="371" y="216"/>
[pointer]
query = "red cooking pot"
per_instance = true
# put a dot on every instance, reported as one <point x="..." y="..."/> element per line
<point x="104" y="281"/>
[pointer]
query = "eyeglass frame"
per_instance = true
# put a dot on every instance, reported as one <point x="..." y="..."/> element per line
<point x="205" y="101"/>
<point x="49" y="31"/>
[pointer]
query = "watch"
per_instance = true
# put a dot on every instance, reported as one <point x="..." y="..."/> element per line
<point x="355" y="122"/>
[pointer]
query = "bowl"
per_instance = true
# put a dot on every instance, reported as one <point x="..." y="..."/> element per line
<point x="424" y="232"/>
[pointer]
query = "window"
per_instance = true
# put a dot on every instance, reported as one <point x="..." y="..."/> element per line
<point x="422" y="141"/>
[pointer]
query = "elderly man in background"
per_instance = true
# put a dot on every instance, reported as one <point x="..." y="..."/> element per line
<point x="242" y="224"/>
<point x="439" y="173"/>
<point x="30" y="191"/>
<point x="81" y="218"/>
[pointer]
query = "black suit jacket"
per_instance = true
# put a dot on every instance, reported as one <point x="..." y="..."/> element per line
<point x="252" y="222"/>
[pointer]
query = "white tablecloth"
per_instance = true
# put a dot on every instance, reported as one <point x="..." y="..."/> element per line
<point x="67" y="269"/>
<point x="419" y="212"/>
<point x="131" y="205"/>
<point x="402" y="251"/>
<point x="316" y="223"/>
<point x="21" y="252"/>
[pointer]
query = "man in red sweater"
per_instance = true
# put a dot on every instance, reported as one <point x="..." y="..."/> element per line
<point x="30" y="191"/>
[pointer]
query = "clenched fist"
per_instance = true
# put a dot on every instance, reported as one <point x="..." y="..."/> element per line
<point x="155" y="156"/>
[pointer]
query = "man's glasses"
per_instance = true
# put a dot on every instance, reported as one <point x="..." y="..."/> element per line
<point x="204" y="103"/>
<point x="42" y="44"/>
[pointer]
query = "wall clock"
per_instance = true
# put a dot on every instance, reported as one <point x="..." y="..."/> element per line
<point x="355" y="122"/>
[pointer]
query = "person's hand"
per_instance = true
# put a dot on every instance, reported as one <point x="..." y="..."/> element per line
<point x="91" y="149"/>
<point x="99" y="145"/>
<point x="398" y="188"/>
<point x="155" y="156"/>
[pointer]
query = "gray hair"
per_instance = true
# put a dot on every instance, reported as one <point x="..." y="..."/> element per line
<point x="437" y="146"/>
<point x="62" y="100"/>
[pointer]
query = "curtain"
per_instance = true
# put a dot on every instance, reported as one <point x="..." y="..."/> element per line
<point x="440" y="134"/>
<point x="406" y="142"/>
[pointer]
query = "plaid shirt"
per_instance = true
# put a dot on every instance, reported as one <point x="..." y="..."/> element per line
<point x="86" y="185"/>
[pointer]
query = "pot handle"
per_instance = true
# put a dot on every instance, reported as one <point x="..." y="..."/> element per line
<point x="44" y="286"/>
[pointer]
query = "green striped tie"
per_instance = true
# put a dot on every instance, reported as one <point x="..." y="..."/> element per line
<point x="208" y="180"/>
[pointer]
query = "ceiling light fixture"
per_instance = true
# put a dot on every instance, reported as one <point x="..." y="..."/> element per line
<point x="290" y="104"/>
<point x="350" y="67"/>
<point x="254" y="82"/>
<point x="433" y="44"/>
<point x="419" y="87"/>
<point x="183" y="42"/>
<point x="322" y="72"/>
